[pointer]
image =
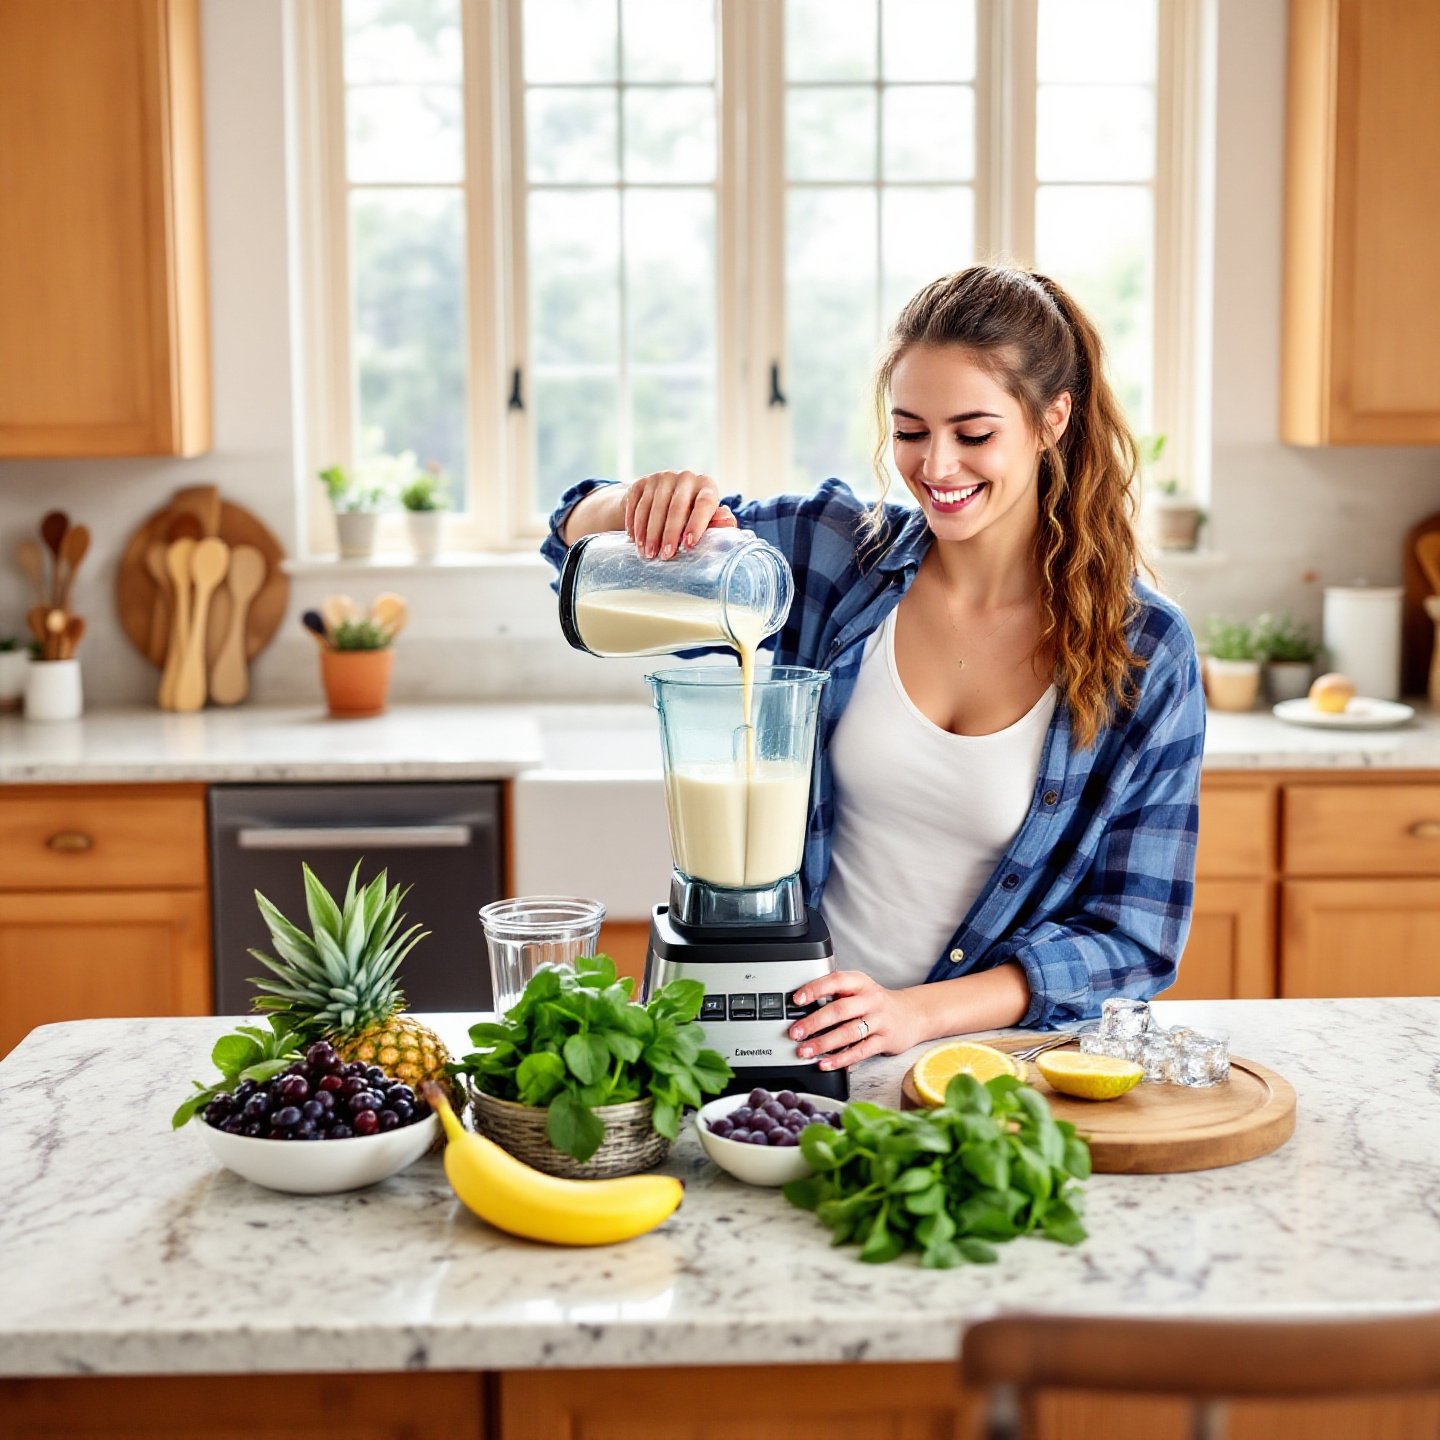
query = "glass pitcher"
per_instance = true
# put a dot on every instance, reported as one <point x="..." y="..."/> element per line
<point x="738" y="798"/>
<point x="732" y="589"/>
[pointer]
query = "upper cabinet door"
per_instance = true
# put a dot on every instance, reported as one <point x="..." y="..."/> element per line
<point x="1362" y="243"/>
<point x="104" y="325"/>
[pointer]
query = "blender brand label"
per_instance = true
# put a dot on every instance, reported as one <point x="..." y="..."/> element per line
<point x="740" y="1054"/>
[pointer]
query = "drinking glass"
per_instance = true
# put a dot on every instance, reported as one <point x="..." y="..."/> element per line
<point x="528" y="931"/>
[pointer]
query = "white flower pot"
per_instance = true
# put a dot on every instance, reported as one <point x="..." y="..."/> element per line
<point x="1175" y="523"/>
<point x="1232" y="684"/>
<point x="356" y="532"/>
<point x="427" y="532"/>
<point x="1288" y="679"/>
<point x="52" y="690"/>
<point x="13" y="667"/>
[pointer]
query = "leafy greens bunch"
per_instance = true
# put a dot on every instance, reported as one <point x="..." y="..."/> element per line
<point x="990" y="1164"/>
<point x="250" y="1053"/>
<point x="575" y="1040"/>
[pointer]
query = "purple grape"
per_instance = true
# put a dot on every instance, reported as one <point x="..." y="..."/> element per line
<point x="233" y="1126"/>
<point x="366" y="1123"/>
<point x="311" y="1110"/>
<point x="762" y="1124"/>
<point x="757" y="1098"/>
<point x="388" y="1119"/>
<point x="376" y="1074"/>
<point x="306" y="1130"/>
<point x="743" y="1136"/>
<point x="216" y="1112"/>
<point x="245" y="1089"/>
<point x="774" y="1109"/>
<point x="787" y="1098"/>
<point x="402" y="1091"/>
<point x="329" y="1085"/>
<point x="796" y="1120"/>
<point x="295" y="1089"/>
<point x="365" y="1100"/>
<point x="325" y="1099"/>
<point x="759" y="1137"/>
<point x="805" y="1107"/>
<point x="404" y="1111"/>
<point x="784" y="1137"/>
<point x="721" y="1127"/>
<point x="254" y="1128"/>
<point x="257" y="1107"/>
<point x="741" y="1114"/>
<point x="287" y="1117"/>
<point x="339" y="1131"/>
<point x="354" y="1085"/>
<point x="354" y="1069"/>
<point x="831" y="1118"/>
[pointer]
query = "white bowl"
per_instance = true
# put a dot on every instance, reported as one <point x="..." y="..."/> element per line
<point x="755" y="1164"/>
<point x="321" y="1167"/>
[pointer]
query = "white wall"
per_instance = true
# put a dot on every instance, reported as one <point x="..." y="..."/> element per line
<point x="1288" y="519"/>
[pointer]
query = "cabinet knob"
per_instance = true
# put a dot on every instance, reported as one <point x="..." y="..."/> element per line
<point x="1426" y="829"/>
<point x="70" y="841"/>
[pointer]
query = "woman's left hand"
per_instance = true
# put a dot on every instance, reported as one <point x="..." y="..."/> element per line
<point x="858" y="1018"/>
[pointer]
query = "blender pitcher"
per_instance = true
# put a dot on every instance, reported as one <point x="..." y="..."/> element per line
<point x="738" y="796"/>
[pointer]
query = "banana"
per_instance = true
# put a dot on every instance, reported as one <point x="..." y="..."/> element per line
<point x="510" y="1195"/>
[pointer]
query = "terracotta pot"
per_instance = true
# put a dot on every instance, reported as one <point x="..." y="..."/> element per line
<point x="1232" y="684"/>
<point x="356" y="681"/>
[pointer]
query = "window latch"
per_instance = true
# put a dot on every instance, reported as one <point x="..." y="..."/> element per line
<point x="516" y="400"/>
<point x="777" y="395"/>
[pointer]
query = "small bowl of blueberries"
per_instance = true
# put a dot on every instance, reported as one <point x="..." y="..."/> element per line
<point x="371" y="1125"/>
<point x="756" y="1137"/>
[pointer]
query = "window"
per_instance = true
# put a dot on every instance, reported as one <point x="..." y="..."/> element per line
<point x="553" y="238"/>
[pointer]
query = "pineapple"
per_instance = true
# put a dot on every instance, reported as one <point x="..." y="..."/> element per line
<point x="338" y="983"/>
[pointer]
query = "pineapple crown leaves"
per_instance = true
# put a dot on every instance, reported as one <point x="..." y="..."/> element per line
<point x="340" y="976"/>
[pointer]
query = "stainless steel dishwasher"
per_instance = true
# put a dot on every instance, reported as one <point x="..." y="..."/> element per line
<point x="442" y="840"/>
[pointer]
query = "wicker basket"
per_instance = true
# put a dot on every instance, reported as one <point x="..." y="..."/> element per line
<point x="631" y="1143"/>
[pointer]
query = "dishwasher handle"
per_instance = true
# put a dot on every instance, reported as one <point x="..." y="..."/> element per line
<point x="348" y="837"/>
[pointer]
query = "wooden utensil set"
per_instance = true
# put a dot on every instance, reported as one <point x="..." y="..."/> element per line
<point x="388" y="613"/>
<point x="53" y="627"/>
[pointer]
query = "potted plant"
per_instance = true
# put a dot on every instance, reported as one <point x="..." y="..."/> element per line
<point x="355" y="665"/>
<point x="1232" y="664"/>
<point x="14" y="661"/>
<point x="1175" y="518"/>
<point x="426" y="498"/>
<point x="580" y="1080"/>
<point x="1290" y="652"/>
<point x="356" y="508"/>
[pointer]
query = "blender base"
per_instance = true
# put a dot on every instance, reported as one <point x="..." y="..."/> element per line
<point x="749" y="978"/>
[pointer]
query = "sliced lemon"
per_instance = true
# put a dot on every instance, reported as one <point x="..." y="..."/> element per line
<point x="938" y="1067"/>
<point x="1091" y="1077"/>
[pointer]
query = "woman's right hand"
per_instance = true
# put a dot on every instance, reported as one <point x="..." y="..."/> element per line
<point x="667" y="512"/>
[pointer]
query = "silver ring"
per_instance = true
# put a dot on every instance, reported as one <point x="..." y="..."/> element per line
<point x="864" y="1029"/>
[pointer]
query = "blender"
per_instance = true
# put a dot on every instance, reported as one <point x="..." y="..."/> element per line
<point x="738" y="798"/>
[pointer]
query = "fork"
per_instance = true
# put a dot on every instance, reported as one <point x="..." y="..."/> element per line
<point x="1051" y="1042"/>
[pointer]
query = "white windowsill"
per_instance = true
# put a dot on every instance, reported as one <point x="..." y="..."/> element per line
<point x="399" y="562"/>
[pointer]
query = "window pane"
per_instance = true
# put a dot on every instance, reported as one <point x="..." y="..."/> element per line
<point x="670" y="276"/>
<point x="668" y="39"/>
<point x="404" y="133"/>
<point x="1094" y="132"/>
<point x="830" y="133"/>
<point x="925" y="233"/>
<point x="673" y="423"/>
<point x="574" y="276"/>
<point x="929" y="132"/>
<point x="408" y="334"/>
<point x="1097" y="242"/>
<point x="928" y="39"/>
<point x="830" y="39"/>
<point x="1100" y="41"/>
<point x="570" y="40"/>
<point x="571" y="136"/>
<point x="574" y="423"/>
<point x="830" y="327"/>
<point x="670" y="134"/>
<point x="410" y="40"/>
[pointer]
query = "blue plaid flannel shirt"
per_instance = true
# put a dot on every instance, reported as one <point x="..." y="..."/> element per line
<point x="1093" y="897"/>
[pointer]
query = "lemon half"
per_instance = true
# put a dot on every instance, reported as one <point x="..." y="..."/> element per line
<point x="935" y="1069"/>
<point x="1090" y="1077"/>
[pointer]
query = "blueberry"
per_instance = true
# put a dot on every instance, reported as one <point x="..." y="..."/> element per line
<point x="339" y="1131"/>
<point x="388" y="1119"/>
<point x="257" y="1107"/>
<point x="404" y="1111"/>
<point x="325" y="1099"/>
<point x="365" y="1100"/>
<point x="287" y="1117"/>
<point x="402" y="1092"/>
<point x="311" y="1110"/>
<point x="245" y="1089"/>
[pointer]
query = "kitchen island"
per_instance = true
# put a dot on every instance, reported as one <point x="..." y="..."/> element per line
<point x="128" y="1252"/>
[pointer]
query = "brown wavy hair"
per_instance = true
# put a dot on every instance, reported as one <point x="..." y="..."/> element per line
<point x="1036" y="342"/>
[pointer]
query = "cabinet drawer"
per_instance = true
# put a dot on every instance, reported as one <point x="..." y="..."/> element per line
<point x="1237" y="832"/>
<point x="85" y="839"/>
<point x="1370" y="829"/>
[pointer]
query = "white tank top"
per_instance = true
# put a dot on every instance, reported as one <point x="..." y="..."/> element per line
<point x="922" y="818"/>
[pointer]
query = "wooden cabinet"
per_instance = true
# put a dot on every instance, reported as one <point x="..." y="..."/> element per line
<point x="1361" y="351"/>
<point x="105" y="347"/>
<point x="104" y="908"/>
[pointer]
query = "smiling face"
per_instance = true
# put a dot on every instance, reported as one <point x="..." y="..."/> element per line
<point x="963" y="445"/>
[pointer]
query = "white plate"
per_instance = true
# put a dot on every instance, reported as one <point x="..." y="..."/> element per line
<point x="1360" y="714"/>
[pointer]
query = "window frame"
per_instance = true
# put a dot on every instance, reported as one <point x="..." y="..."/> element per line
<point x="752" y="435"/>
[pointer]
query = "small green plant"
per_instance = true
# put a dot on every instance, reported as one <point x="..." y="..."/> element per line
<point x="429" y="490"/>
<point x="1282" y="637"/>
<point x="8" y="643"/>
<point x="346" y="494"/>
<point x="359" y="635"/>
<point x="1231" y="640"/>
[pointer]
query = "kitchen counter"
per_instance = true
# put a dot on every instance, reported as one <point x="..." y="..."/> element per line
<point x="127" y="1250"/>
<point x="462" y="741"/>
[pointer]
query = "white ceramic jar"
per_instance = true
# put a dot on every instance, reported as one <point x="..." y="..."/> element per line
<point x="1362" y="636"/>
<point x="52" y="690"/>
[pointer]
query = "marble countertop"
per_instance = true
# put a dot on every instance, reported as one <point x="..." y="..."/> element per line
<point x="127" y="1250"/>
<point x="460" y="741"/>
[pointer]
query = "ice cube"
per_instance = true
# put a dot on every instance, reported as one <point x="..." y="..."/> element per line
<point x="1199" y="1058"/>
<point x="1123" y="1019"/>
<point x="1154" y="1054"/>
<point x="1095" y="1041"/>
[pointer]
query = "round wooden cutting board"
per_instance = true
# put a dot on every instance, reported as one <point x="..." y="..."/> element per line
<point x="1160" y="1129"/>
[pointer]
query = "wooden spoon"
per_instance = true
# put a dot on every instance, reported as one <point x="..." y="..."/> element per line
<point x="32" y="562"/>
<point x="73" y="549"/>
<point x="1427" y="552"/>
<point x="335" y="610"/>
<point x="177" y="565"/>
<point x="390" y="613"/>
<point x="55" y="622"/>
<point x="53" y="528"/>
<point x="208" y="564"/>
<point x="229" y="679"/>
<point x="74" y="633"/>
<point x="35" y="619"/>
<point x="155" y="645"/>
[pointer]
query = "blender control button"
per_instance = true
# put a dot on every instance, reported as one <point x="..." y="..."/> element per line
<point x="957" y="954"/>
<point x="712" y="1007"/>
<point x="794" y="1011"/>
<point x="742" y="1007"/>
<point x="772" y="1007"/>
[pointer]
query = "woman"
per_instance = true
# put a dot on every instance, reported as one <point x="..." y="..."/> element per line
<point x="1005" y="811"/>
